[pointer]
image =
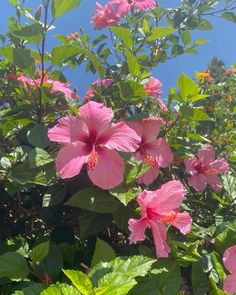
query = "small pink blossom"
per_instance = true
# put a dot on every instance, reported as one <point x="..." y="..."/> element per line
<point x="152" y="150"/>
<point x="56" y="86"/>
<point x="229" y="260"/>
<point x="159" y="209"/>
<point x="153" y="88"/>
<point x="98" y="83"/>
<point x="204" y="169"/>
<point x="125" y="6"/>
<point x="106" y="16"/>
<point x="92" y="139"/>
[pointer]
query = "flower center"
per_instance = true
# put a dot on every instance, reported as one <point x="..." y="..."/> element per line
<point x="170" y="218"/>
<point x="150" y="160"/>
<point x="200" y="167"/>
<point x="92" y="159"/>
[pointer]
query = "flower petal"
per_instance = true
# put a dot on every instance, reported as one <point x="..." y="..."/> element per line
<point x="70" y="159"/>
<point x="68" y="130"/>
<point x="168" y="197"/>
<point x="190" y="163"/>
<point x="95" y="116"/>
<point x="207" y="154"/>
<point x="198" y="182"/>
<point x="213" y="181"/>
<point x="160" y="235"/>
<point x="137" y="228"/>
<point x="219" y="165"/>
<point x="108" y="173"/>
<point x="148" y="129"/>
<point x="122" y="138"/>
<point x="230" y="284"/>
<point x="149" y="176"/>
<point x="183" y="222"/>
<point x="164" y="155"/>
<point x="229" y="259"/>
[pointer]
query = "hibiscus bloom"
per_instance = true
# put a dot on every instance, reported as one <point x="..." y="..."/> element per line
<point x="153" y="88"/>
<point x="126" y="5"/>
<point x="98" y="83"/>
<point x="229" y="260"/>
<point x="204" y="169"/>
<point x="152" y="150"/>
<point x="92" y="139"/>
<point x="158" y="210"/>
<point x="56" y="86"/>
<point x="106" y="16"/>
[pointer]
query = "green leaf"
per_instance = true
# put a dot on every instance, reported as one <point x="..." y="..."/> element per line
<point x="200" y="42"/>
<point x="165" y="279"/>
<point x="61" y="53"/>
<point x="229" y="16"/>
<point x="95" y="62"/>
<point x="124" y="35"/>
<point x="39" y="252"/>
<point x="204" y="24"/>
<point x="33" y="289"/>
<point x="39" y="157"/>
<point x="199" y="115"/>
<point x="38" y="136"/>
<point x="135" y="266"/>
<point x="7" y="51"/>
<point x="134" y="169"/>
<point x="133" y="64"/>
<point x="114" y="284"/>
<point x="103" y="252"/>
<point x="23" y="59"/>
<point x="199" y="279"/>
<point x="186" y="38"/>
<point x="13" y="266"/>
<point x="14" y="3"/>
<point x="188" y="89"/>
<point x="226" y="238"/>
<point x="131" y="91"/>
<point x="60" y="7"/>
<point x="160" y="32"/>
<point x="80" y="281"/>
<point x="94" y="199"/>
<point x="229" y="182"/>
<point x="33" y="33"/>
<point x="125" y="194"/>
<point x="60" y="289"/>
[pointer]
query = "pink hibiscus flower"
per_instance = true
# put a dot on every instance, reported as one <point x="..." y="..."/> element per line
<point x="98" y="83"/>
<point x="229" y="260"/>
<point x="158" y="210"/>
<point x="204" y="169"/>
<point x="92" y="139"/>
<point x="57" y="86"/>
<point x="152" y="150"/>
<point x="153" y="88"/>
<point x="106" y="16"/>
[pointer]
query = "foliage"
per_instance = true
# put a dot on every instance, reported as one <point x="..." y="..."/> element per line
<point x="68" y="236"/>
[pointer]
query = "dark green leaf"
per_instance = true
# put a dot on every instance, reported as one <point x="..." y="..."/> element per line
<point x="33" y="33"/>
<point x="39" y="252"/>
<point x="60" y="7"/>
<point x="103" y="252"/>
<point x="63" y="52"/>
<point x="229" y="16"/>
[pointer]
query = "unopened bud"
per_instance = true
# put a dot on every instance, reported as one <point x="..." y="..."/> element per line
<point x="38" y="12"/>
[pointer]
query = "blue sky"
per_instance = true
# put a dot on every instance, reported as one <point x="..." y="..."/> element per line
<point x="221" y="43"/>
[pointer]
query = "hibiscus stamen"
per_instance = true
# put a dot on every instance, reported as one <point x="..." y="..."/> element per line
<point x="92" y="159"/>
<point x="200" y="167"/>
<point x="170" y="218"/>
<point x="150" y="160"/>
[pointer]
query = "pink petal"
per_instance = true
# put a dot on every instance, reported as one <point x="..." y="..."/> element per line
<point x="183" y="222"/>
<point x="149" y="176"/>
<point x="144" y="199"/>
<point x="95" y="116"/>
<point x="148" y="129"/>
<point x="230" y="284"/>
<point x="70" y="159"/>
<point x="229" y="259"/>
<point x="207" y="154"/>
<point x="108" y="173"/>
<point x="68" y="130"/>
<point x="137" y="228"/>
<point x="144" y="4"/>
<point x="164" y="155"/>
<point x="153" y="87"/>
<point x="160" y="235"/>
<point x="121" y="137"/>
<point x="168" y="197"/>
<point x="213" y="181"/>
<point x="190" y="163"/>
<point x="220" y="165"/>
<point x="198" y="182"/>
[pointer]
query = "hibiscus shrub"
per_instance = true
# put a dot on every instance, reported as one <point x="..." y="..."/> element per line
<point x="120" y="191"/>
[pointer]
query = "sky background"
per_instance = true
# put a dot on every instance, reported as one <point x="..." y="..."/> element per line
<point x="222" y="43"/>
